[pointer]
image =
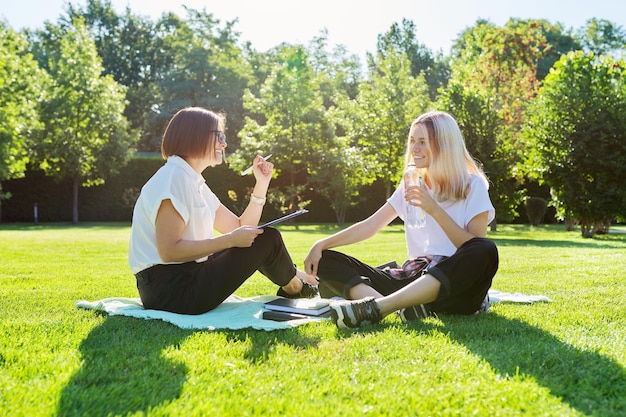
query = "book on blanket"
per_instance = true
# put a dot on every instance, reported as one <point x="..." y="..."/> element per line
<point x="304" y="306"/>
<point x="284" y="316"/>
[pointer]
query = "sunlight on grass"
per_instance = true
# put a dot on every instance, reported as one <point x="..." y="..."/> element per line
<point x="563" y="358"/>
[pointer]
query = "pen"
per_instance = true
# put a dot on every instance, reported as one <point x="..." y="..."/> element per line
<point x="249" y="170"/>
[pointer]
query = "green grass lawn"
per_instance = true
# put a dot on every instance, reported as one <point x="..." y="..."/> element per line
<point x="565" y="358"/>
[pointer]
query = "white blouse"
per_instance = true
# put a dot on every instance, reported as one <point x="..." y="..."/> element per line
<point x="190" y="196"/>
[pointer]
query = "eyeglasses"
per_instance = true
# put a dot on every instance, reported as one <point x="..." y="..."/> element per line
<point x="221" y="137"/>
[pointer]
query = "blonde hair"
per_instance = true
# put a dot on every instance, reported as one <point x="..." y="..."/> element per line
<point x="450" y="162"/>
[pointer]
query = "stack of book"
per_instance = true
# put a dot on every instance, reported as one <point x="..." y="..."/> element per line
<point x="283" y="309"/>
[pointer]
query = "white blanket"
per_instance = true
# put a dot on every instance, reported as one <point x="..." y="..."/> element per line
<point x="239" y="313"/>
<point x="496" y="296"/>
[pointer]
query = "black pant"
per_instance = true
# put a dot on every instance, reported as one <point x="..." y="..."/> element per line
<point x="195" y="288"/>
<point x="465" y="276"/>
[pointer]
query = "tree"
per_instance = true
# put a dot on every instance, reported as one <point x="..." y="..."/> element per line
<point x="338" y="72"/>
<point x="602" y="37"/>
<point x="576" y="139"/>
<point x="502" y="64"/>
<point x="402" y="39"/>
<point x="339" y="175"/>
<point x="339" y="170"/>
<point x="507" y="69"/>
<point x="559" y="41"/>
<point x="87" y="137"/>
<point x="132" y="51"/>
<point x="468" y="48"/>
<point x="21" y="85"/>
<point x="289" y="121"/>
<point x="480" y="125"/>
<point x="388" y="101"/>
<point x="169" y="64"/>
<point x="208" y="69"/>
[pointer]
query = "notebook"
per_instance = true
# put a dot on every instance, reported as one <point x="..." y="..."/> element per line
<point x="305" y="306"/>
<point x="282" y="219"/>
<point x="284" y="316"/>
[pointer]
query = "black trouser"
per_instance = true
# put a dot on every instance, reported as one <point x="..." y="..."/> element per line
<point x="465" y="276"/>
<point x="195" y="288"/>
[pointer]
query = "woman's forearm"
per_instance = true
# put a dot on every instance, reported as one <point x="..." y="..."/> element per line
<point x="360" y="231"/>
<point x="457" y="235"/>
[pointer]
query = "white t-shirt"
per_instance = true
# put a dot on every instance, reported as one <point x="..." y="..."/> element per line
<point x="431" y="239"/>
<point x="190" y="196"/>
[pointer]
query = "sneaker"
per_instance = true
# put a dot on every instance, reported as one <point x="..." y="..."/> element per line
<point x="307" y="291"/>
<point x="355" y="313"/>
<point x="419" y="311"/>
<point x="485" y="306"/>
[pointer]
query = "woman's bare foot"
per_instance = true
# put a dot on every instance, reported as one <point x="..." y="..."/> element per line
<point x="307" y="278"/>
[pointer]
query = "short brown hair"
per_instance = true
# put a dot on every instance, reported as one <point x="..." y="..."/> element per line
<point x="191" y="133"/>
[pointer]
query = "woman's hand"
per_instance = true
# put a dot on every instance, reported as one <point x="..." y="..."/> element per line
<point x="262" y="169"/>
<point x="263" y="175"/>
<point x="418" y="196"/>
<point x="312" y="260"/>
<point x="243" y="237"/>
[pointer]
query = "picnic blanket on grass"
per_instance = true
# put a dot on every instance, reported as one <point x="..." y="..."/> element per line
<point x="234" y="313"/>
<point x="237" y="312"/>
<point x="496" y="296"/>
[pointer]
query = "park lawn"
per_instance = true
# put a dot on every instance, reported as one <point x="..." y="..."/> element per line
<point x="564" y="358"/>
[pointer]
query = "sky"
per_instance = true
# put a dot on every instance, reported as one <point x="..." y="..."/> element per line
<point x="355" y="24"/>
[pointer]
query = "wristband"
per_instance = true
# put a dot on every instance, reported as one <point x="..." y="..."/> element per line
<point x="257" y="200"/>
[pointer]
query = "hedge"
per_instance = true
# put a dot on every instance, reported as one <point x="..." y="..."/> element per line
<point x="113" y="200"/>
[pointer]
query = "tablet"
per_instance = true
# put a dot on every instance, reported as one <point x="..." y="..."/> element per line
<point x="282" y="219"/>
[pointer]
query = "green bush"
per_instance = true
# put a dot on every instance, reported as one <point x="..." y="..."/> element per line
<point x="107" y="202"/>
<point x="536" y="208"/>
<point x="114" y="200"/>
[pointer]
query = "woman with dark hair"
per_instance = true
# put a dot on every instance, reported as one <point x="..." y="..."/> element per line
<point x="450" y="262"/>
<point x="180" y="265"/>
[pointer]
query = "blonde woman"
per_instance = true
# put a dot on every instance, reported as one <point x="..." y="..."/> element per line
<point x="180" y="264"/>
<point x="450" y="262"/>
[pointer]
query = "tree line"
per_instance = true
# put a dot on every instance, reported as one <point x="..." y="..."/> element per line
<point x="541" y="106"/>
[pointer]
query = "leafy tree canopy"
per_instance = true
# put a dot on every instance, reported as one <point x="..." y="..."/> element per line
<point x="86" y="134"/>
<point x="22" y="84"/>
<point x="576" y="138"/>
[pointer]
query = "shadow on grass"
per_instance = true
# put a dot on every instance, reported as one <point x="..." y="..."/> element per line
<point x="124" y="371"/>
<point x="603" y="243"/>
<point x="589" y="382"/>
<point x="264" y="343"/>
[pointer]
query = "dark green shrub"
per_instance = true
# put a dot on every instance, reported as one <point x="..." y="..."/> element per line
<point x="536" y="208"/>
